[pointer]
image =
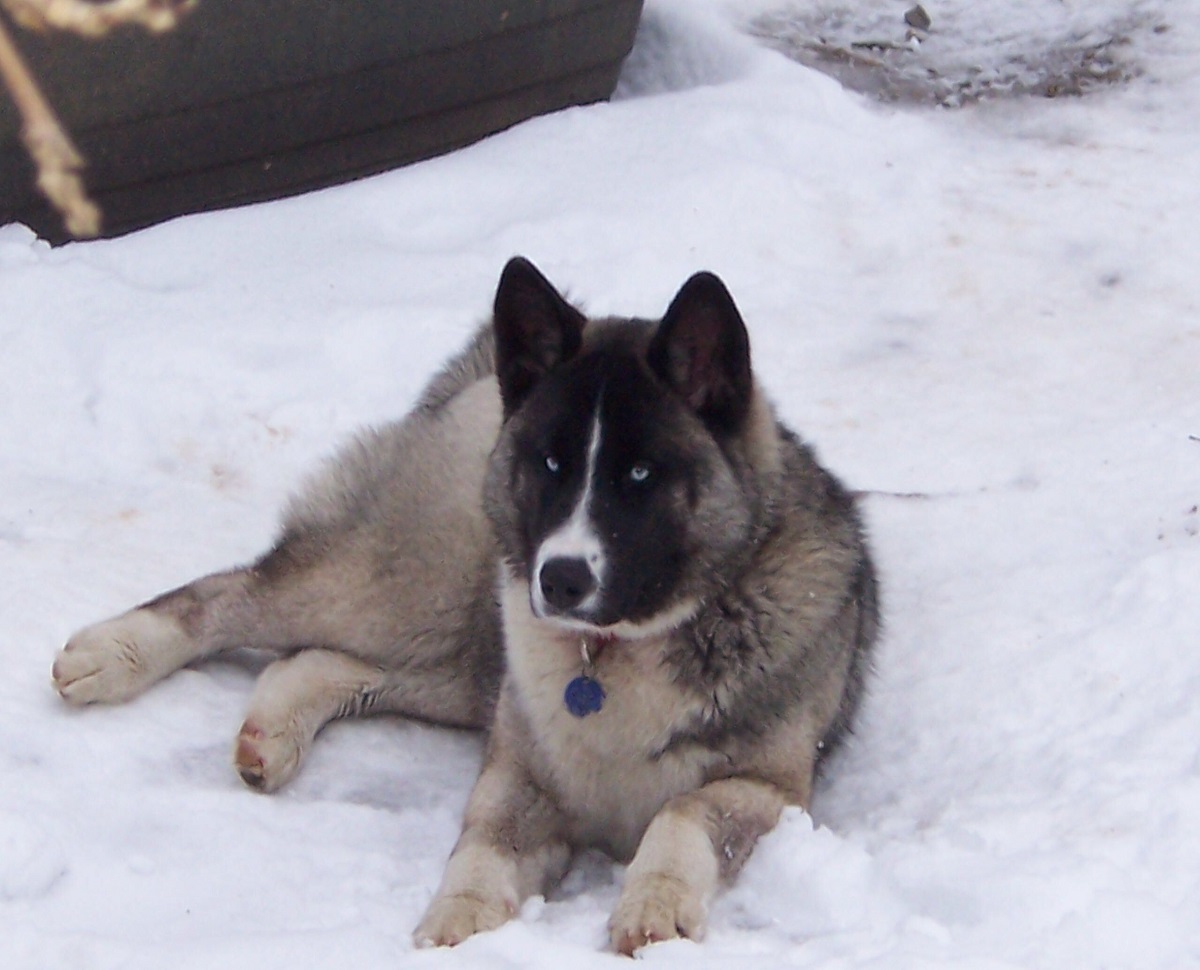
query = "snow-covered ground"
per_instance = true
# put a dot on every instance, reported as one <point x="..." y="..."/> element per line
<point x="987" y="319"/>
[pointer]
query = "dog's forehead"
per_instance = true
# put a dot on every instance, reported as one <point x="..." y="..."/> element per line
<point x="561" y="410"/>
<point x="611" y="385"/>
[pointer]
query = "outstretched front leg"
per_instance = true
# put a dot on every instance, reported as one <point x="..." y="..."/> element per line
<point x="693" y="842"/>
<point x="512" y="846"/>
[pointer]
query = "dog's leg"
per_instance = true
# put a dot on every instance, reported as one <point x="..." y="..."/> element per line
<point x="293" y="699"/>
<point x="117" y="659"/>
<point x="511" y="847"/>
<point x="695" y="840"/>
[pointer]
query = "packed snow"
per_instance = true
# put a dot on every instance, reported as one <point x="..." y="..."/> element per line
<point x="986" y="319"/>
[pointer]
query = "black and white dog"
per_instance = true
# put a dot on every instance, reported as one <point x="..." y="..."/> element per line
<point x="593" y="538"/>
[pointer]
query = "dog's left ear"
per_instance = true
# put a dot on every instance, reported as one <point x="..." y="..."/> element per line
<point x="702" y="350"/>
<point x="536" y="330"/>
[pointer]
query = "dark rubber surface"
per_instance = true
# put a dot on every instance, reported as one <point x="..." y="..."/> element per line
<point x="251" y="101"/>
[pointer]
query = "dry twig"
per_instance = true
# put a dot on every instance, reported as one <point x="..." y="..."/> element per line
<point x="97" y="19"/>
<point x="57" y="159"/>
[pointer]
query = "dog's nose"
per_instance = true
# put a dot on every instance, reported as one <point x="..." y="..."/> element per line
<point x="566" y="582"/>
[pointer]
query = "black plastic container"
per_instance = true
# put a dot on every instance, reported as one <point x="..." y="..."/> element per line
<point x="246" y="101"/>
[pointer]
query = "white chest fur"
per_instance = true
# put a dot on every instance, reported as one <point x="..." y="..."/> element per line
<point x="607" y="770"/>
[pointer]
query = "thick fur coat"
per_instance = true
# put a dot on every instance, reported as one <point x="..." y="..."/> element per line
<point x="594" y="538"/>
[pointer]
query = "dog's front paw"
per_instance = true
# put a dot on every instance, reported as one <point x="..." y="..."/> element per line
<point x="116" y="660"/>
<point x="451" y="919"/>
<point x="653" y="908"/>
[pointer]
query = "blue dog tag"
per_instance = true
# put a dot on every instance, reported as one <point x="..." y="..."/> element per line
<point x="583" y="696"/>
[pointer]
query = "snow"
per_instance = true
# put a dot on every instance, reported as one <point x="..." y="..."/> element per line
<point x="986" y="319"/>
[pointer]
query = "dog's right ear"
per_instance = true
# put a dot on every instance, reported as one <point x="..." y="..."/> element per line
<point x="536" y="330"/>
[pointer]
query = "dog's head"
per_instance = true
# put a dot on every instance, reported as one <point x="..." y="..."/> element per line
<point x="617" y="487"/>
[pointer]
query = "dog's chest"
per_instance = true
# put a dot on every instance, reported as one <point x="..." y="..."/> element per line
<point x="611" y="769"/>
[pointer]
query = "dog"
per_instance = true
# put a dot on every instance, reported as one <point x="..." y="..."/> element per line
<point x="593" y="538"/>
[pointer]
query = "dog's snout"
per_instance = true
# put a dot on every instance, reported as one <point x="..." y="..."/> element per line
<point x="566" y="582"/>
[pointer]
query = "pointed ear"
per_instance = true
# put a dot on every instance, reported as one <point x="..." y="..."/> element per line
<point x="536" y="330"/>
<point x="702" y="350"/>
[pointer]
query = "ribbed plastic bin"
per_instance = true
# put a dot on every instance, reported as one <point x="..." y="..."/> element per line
<point x="256" y="99"/>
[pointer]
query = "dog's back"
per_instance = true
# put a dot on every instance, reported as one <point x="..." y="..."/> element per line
<point x="394" y="528"/>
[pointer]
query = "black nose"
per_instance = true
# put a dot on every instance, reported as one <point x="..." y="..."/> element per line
<point x="566" y="582"/>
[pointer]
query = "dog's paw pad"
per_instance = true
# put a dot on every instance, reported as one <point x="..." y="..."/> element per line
<point x="111" y="661"/>
<point x="653" y="909"/>
<point x="264" y="760"/>
<point x="452" y="919"/>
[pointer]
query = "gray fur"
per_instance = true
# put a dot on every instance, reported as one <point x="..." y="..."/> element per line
<point x="403" y="564"/>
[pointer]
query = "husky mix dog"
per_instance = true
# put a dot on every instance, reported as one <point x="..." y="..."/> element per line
<point x="592" y="537"/>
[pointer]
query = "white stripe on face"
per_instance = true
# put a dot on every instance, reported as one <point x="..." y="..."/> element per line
<point x="576" y="538"/>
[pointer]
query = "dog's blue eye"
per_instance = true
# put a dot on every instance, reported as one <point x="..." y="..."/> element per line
<point x="639" y="473"/>
<point x="552" y="465"/>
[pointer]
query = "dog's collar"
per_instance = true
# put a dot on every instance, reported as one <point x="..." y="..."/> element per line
<point x="591" y="645"/>
<point x="584" y="694"/>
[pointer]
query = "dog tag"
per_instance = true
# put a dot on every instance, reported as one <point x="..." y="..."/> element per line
<point x="583" y="696"/>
